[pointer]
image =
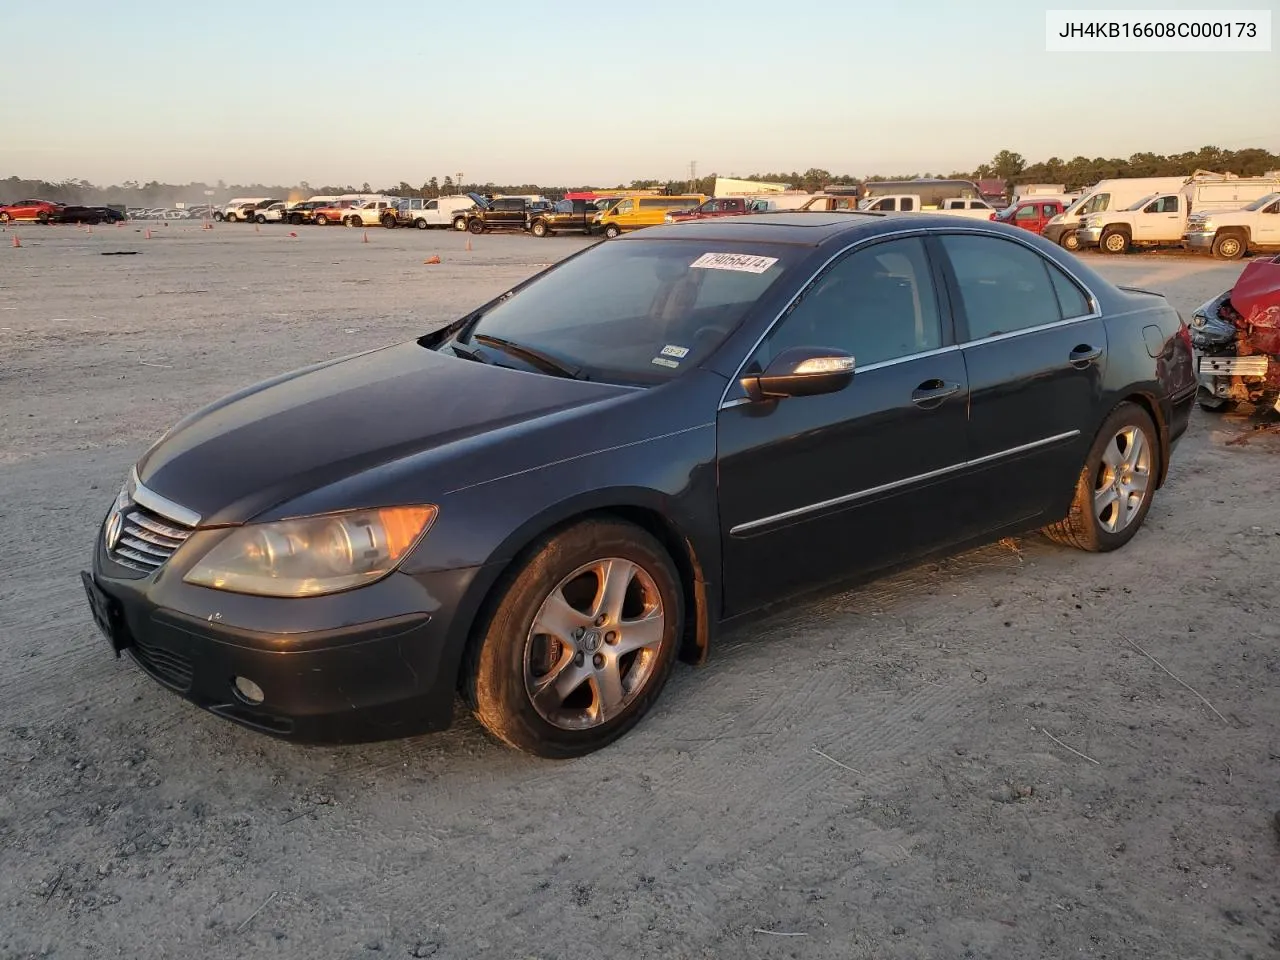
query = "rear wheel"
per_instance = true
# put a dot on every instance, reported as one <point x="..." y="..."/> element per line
<point x="1070" y="241"/>
<point x="295" y="219"/>
<point x="1116" y="485"/>
<point x="231" y="218"/>
<point x="219" y="216"/>
<point x="43" y="217"/>
<point x="476" y="226"/>
<point x="581" y="641"/>
<point x="1228" y="246"/>
<point x="1115" y="241"/>
<point x="460" y="223"/>
<point x="389" y="221"/>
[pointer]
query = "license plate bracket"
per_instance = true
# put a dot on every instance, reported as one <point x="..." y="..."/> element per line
<point x="107" y="614"/>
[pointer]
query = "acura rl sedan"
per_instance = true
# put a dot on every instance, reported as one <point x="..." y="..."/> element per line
<point x="545" y="504"/>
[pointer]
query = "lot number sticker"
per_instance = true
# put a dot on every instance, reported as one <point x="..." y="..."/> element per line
<point x="741" y="262"/>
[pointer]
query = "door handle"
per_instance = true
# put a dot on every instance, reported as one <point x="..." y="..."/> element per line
<point x="931" y="393"/>
<point x="1084" y="355"/>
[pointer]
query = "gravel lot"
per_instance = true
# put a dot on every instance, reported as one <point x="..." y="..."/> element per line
<point x="887" y="772"/>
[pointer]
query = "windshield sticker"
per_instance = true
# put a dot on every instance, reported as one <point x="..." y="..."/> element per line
<point x="664" y="362"/>
<point x="741" y="262"/>
<point x="670" y="350"/>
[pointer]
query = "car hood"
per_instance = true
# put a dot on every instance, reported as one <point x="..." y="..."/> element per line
<point x="314" y="427"/>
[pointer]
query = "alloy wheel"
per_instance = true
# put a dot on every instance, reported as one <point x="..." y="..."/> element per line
<point x="594" y="644"/>
<point x="1124" y="476"/>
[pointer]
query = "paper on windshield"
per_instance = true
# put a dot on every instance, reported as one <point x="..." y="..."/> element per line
<point x="741" y="262"/>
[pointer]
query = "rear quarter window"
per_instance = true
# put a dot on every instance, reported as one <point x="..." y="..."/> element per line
<point x="1004" y="286"/>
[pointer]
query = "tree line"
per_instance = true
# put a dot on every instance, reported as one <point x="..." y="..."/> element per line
<point x="1008" y="166"/>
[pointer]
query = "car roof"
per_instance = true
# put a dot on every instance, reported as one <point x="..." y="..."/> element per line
<point x="809" y="229"/>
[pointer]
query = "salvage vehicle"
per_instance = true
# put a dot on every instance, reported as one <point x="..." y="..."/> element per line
<point x="717" y="207"/>
<point x="239" y="208"/>
<point x="502" y="213"/>
<point x="304" y="211"/>
<point x="368" y="213"/>
<point x="40" y="211"/>
<point x="1236" y="337"/>
<point x="822" y="202"/>
<point x="969" y="207"/>
<point x="272" y="213"/>
<point x="90" y="215"/>
<point x="1032" y="214"/>
<point x="640" y="210"/>
<point x="546" y="502"/>
<point x="567" y="216"/>
<point x="1162" y="219"/>
<point x="332" y="213"/>
<point x="1230" y="234"/>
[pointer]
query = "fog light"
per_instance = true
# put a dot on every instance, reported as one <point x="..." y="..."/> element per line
<point x="248" y="691"/>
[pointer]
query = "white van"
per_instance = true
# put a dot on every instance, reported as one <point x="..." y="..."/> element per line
<point x="1103" y="196"/>
<point x="1160" y="219"/>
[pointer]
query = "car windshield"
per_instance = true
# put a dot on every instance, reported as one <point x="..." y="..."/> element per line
<point x="636" y="312"/>
<point x="1259" y="204"/>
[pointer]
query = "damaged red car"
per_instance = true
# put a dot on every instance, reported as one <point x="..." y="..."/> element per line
<point x="1236" y="338"/>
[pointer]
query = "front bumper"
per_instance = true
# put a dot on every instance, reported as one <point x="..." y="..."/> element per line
<point x="374" y="663"/>
<point x="1198" y="241"/>
<point x="1089" y="236"/>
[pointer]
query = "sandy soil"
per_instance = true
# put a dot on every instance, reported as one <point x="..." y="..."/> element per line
<point x="890" y="772"/>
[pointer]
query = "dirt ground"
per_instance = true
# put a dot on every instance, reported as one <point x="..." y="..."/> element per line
<point x="975" y="758"/>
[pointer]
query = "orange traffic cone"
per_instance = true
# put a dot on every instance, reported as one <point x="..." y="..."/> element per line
<point x="147" y="235"/>
<point x="16" y="242"/>
<point x="468" y="246"/>
<point x="89" y="231"/>
<point x="434" y="259"/>
<point x="366" y="237"/>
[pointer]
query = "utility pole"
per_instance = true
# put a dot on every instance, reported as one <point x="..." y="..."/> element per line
<point x="693" y="175"/>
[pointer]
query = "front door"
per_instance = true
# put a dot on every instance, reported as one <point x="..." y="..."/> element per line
<point x="1266" y="231"/>
<point x="1161" y="219"/>
<point x="814" y="488"/>
<point x="1035" y="351"/>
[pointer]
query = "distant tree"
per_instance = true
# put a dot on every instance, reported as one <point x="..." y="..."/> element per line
<point x="1006" y="164"/>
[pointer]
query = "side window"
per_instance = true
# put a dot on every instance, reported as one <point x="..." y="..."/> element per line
<point x="1025" y="213"/>
<point x="877" y="303"/>
<point x="1274" y="208"/>
<point x="1170" y="205"/>
<point x="1071" y="299"/>
<point x="624" y="207"/>
<point x="1051" y="210"/>
<point x="887" y="204"/>
<point x="433" y="205"/>
<point x="907" y="203"/>
<point x="1004" y="286"/>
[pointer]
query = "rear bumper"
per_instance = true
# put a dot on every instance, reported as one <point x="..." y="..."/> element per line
<point x="383" y="666"/>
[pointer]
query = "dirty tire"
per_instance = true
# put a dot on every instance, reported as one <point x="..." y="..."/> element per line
<point x="539" y="229"/>
<point x="476" y="226"/>
<point x="460" y="223"/>
<point x="1081" y="527"/>
<point x="611" y="232"/>
<point x="1070" y="241"/>
<point x="1114" y="241"/>
<point x="494" y="678"/>
<point x="1228" y="246"/>
<point x="354" y="222"/>
<point x="321" y="220"/>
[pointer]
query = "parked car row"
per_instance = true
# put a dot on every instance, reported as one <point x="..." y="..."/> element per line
<point x="48" y="211"/>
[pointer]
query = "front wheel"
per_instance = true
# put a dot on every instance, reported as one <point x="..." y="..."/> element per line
<point x="1070" y="241"/>
<point x="1228" y="246"/>
<point x="219" y="216"/>
<point x="460" y="223"/>
<point x="43" y="217"/>
<point x="581" y="641"/>
<point x="539" y="229"/>
<point x="295" y="219"/>
<point x="476" y="227"/>
<point x="1115" y="241"/>
<point x="611" y="232"/>
<point x="353" y="222"/>
<point x="1116" y="485"/>
<point x="260" y="219"/>
<point x="321" y="219"/>
<point x="421" y="224"/>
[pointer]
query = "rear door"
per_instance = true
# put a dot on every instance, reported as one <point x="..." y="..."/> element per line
<point x="1035" y="351"/>
<point x="813" y="488"/>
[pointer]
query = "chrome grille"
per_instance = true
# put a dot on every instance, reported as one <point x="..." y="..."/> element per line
<point x="147" y="539"/>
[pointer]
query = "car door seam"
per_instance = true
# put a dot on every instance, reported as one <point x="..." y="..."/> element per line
<point x="898" y="484"/>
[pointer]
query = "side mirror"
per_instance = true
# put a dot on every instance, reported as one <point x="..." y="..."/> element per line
<point x="801" y="372"/>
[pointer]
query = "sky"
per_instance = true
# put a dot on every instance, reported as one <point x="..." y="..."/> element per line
<point x="571" y="93"/>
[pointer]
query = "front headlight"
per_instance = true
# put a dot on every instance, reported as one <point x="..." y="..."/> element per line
<point x="312" y="556"/>
<point x="1205" y="226"/>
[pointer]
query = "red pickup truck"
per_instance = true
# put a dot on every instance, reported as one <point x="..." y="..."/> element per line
<point x="717" y="207"/>
<point x="1033" y="215"/>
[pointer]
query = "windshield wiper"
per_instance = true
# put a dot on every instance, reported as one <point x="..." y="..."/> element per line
<point x="537" y="358"/>
<point x="465" y="354"/>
